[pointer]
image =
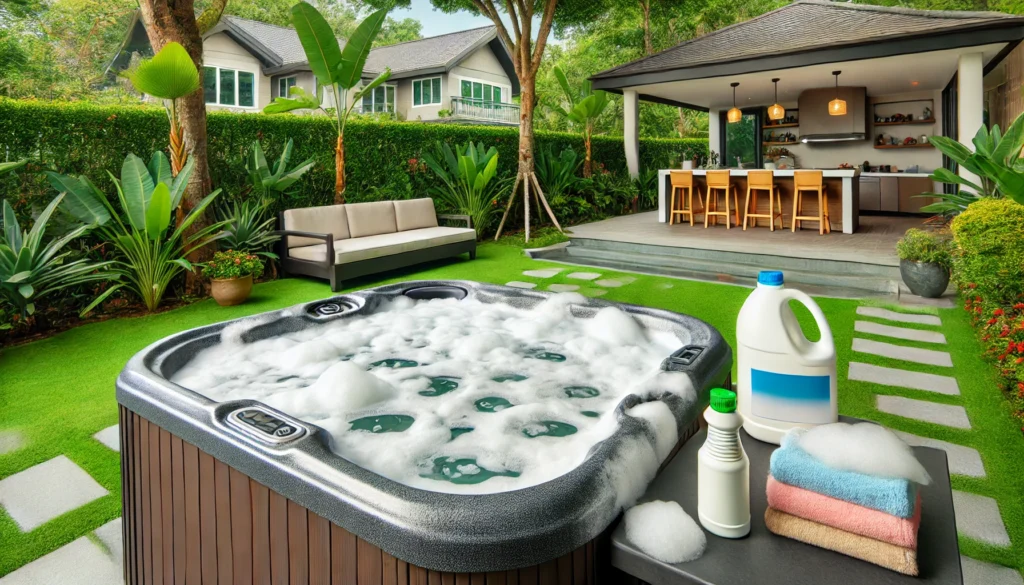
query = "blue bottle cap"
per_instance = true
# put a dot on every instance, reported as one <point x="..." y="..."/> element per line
<point x="770" y="277"/>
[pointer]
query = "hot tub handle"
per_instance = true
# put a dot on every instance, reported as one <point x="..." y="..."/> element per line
<point x="682" y="359"/>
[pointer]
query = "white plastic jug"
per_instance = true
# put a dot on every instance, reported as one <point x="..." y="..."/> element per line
<point x="784" y="379"/>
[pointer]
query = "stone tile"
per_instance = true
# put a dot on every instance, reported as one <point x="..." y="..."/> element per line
<point x="916" y="301"/>
<point x="110" y="535"/>
<point x="901" y="317"/>
<point x="542" y="273"/>
<point x="43" y="492"/>
<point x="594" y="292"/>
<point x="111" y="437"/>
<point x="583" y="275"/>
<point x="626" y="279"/>
<point x="520" y="284"/>
<point x="982" y="573"/>
<point x="664" y="285"/>
<point x="80" y="563"/>
<point x="609" y="283"/>
<point x="978" y="517"/>
<point x="899" y="332"/>
<point x="930" y="357"/>
<point x="904" y="378"/>
<point x="563" y="287"/>
<point x="941" y="414"/>
<point x="962" y="460"/>
<point x="10" y="441"/>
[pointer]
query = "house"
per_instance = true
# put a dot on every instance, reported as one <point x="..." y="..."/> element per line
<point x="465" y="76"/>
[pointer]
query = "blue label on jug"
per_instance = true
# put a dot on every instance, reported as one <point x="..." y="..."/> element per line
<point x="790" y="397"/>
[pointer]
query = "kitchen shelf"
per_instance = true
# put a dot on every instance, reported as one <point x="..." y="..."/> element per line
<point x="774" y="126"/>
<point x="779" y="143"/>
<point x="925" y="145"/>
<point x="928" y="121"/>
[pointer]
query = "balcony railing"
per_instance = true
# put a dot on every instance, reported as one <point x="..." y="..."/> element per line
<point x="477" y="109"/>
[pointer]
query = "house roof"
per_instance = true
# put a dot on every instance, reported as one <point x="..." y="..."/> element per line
<point x="801" y="27"/>
<point x="442" y="51"/>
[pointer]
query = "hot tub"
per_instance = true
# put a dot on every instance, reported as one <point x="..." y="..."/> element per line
<point x="233" y="490"/>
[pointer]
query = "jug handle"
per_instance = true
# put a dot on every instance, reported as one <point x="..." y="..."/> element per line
<point x="823" y="350"/>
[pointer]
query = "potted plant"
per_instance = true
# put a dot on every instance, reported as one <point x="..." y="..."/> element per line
<point x="924" y="262"/>
<point x="231" y="274"/>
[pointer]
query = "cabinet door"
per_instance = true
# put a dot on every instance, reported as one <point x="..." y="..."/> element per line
<point x="890" y="194"/>
<point x="870" y="194"/>
<point x="910" y="186"/>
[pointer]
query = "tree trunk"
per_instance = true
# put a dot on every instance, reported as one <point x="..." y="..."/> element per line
<point x="339" y="171"/>
<point x="588" y="164"/>
<point x="645" y="7"/>
<point x="527" y="91"/>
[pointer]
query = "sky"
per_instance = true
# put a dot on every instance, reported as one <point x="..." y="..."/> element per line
<point x="436" y="22"/>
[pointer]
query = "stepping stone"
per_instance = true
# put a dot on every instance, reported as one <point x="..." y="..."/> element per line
<point x="916" y="301"/>
<point x="664" y="285"/>
<point x="899" y="332"/>
<point x="563" y="287"/>
<point x="542" y="273"/>
<point x="584" y="275"/>
<point x="111" y="437"/>
<point x="901" y="317"/>
<point x="110" y="535"/>
<point x="595" y="292"/>
<point x="978" y="517"/>
<point x="904" y="378"/>
<point x="43" y="492"/>
<point x="10" y="441"/>
<point x="930" y="357"/>
<point x="609" y="283"/>
<point x="520" y="284"/>
<point x="962" y="460"/>
<point x="949" y="415"/>
<point x="982" y="573"/>
<point x="82" y="562"/>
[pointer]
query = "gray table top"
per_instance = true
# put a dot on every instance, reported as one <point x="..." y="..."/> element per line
<point x="763" y="558"/>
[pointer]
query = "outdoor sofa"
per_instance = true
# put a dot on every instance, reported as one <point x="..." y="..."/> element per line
<point x="367" y="238"/>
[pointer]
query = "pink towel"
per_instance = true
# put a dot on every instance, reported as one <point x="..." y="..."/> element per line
<point x="845" y="516"/>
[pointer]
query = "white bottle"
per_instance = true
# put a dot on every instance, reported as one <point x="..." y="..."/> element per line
<point x="784" y="380"/>
<point x="723" y="470"/>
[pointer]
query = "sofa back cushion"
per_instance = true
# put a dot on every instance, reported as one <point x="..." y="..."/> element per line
<point x="370" y="219"/>
<point x="415" y="214"/>
<point x="329" y="219"/>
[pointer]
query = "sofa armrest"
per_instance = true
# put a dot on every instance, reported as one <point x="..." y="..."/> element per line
<point x="327" y="238"/>
<point x="455" y="217"/>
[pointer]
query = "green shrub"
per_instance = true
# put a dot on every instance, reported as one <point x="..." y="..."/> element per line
<point x="989" y="256"/>
<point x="925" y="246"/>
<point x="232" y="264"/>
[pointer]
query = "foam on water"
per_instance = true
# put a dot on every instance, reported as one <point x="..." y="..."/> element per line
<point x="462" y="396"/>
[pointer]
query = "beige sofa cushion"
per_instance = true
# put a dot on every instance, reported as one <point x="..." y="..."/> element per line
<point x="415" y="214"/>
<point x="329" y="219"/>
<point x="378" y="246"/>
<point x="370" y="219"/>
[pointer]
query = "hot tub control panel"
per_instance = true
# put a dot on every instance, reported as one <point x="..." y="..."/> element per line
<point x="264" y="425"/>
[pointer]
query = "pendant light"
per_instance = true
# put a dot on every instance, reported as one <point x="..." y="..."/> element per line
<point x="837" y="107"/>
<point x="775" y="111"/>
<point x="734" y="115"/>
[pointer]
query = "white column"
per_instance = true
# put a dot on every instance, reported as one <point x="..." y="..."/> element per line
<point x="970" y="103"/>
<point x="631" y="130"/>
<point x="715" y="132"/>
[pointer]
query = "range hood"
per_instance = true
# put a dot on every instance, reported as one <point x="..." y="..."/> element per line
<point x="817" y="125"/>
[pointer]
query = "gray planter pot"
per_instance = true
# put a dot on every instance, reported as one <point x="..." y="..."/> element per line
<point x="924" y="279"/>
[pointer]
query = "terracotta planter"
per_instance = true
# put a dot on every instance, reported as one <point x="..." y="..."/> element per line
<point x="924" y="279"/>
<point x="231" y="291"/>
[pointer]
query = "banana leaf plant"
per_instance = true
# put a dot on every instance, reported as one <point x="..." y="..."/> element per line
<point x="10" y="167"/>
<point x="468" y="175"/>
<point x="584" y="107"/>
<point x="277" y="179"/>
<point x="340" y="69"/>
<point x="169" y="75"/>
<point x="149" y="256"/>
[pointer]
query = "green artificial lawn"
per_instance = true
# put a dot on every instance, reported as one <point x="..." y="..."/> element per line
<point x="58" y="392"/>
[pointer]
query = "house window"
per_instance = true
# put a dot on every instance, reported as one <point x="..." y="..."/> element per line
<point x="284" y="85"/>
<point x="426" y="91"/>
<point x="481" y="91"/>
<point x="381" y="99"/>
<point x="228" y="87"/>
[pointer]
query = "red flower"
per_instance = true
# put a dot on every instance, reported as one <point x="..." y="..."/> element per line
<point x="977" y="299"/>
<point x="973" y="285"/>
<point x="991" y="321"/>
<point x="998" y="313"/>
<point x="1019" y="306"/>
<point x="238" y="261"/>
<point x="1019" y="360"/>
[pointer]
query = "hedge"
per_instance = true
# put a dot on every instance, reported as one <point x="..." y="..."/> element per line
<point x="78" y="138"/>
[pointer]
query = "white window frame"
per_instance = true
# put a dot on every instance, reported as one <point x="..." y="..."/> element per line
<point x="506" y="90"/>
<point x="255" y="88"/>
<point x="285" y="80"/>
<point x="394" y="104"/>
<point x="421" y="80"/>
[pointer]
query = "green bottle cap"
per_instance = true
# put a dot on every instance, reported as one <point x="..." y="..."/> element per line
<point x="723" y="400"/>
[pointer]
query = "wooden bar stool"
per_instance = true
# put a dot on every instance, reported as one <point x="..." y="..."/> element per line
<point x="683" y="181"/>
<point x="720" y="181"/>
<point x="814" y="182"/>
<point x="763" y="181"/>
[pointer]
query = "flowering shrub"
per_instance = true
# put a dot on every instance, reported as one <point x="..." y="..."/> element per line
<point x="232" y="264"/>
<point x="1002" y="337"/>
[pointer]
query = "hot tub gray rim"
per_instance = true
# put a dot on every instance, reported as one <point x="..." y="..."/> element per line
<point x="435" y="530"/>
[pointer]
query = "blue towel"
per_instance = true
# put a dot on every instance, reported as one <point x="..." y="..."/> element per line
<point x="798" y="468"/>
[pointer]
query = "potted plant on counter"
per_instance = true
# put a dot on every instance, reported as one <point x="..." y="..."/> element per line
<point x="231" y="274"/>
<point x="924" y="262"/>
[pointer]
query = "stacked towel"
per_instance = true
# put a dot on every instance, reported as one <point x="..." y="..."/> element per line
<point x="871" y="518"/>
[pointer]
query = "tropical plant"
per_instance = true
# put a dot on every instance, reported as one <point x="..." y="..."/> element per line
<point x="267" y="180"/>
<point x="585" y="106"/>
<point x="149" y="257"/>
<point x="995" y="161"/>
<point x="232" y="264"/>
<point x="646" y="183"/>
<point x="170" y="74"/>
<point x="468" y="175"/>
<point x="33" y="266"/>
<point x="10" y="167"/>
<point x="557" y="173"/>
<point x="334" y="67"/>
<point x="247" y="228"/>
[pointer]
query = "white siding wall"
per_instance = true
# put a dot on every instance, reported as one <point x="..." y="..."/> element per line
<point x="424" y="113"/>
<point x="220" y="51"/>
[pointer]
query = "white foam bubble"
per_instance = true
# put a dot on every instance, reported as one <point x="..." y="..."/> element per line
<point x="664" y="531"/>
<point x="865" y="448"/>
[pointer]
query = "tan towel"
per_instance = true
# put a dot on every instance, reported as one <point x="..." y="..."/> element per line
<point x="890" y="556"/>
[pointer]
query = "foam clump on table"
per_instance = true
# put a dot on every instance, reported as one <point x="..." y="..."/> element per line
<point x="665" y="532"/>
